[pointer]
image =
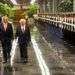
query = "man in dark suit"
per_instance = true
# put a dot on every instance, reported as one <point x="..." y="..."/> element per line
<point x="23" y="34"/>
<point x="6" y="35"/>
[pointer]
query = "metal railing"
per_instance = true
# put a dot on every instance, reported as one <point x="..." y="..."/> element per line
<point x="59" y="17"/>
<point x="62" y="20"/>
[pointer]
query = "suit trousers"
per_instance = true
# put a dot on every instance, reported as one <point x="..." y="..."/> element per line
<point x="23" y="51"/>
<point x="6" y="50"/>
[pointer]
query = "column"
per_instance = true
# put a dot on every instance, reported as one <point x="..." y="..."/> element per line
<point x="44" y="6"/>
<point x="53" y="6"/>
<point x="73" y="5"/>
<point x="48" y="6"/>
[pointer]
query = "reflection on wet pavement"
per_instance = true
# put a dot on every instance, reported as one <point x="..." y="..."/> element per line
<point x="18" y="68"/>
<point x="6" y="69"/>
<point x="59" y="54"/>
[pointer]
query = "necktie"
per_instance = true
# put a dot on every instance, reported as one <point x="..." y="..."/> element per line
<point x="23" y="29"/>
<point x="5" y="27"/>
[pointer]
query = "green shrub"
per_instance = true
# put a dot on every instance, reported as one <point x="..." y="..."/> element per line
<point x="32" y="9"/>
<point x="5" y="9"/>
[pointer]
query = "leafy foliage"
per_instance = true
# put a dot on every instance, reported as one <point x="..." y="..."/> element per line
<point x="66" y="6"/>
<point x="32" y="9"/>
<point x="5" y="9"/>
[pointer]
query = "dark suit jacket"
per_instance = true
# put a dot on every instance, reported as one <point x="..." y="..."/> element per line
<point x="6" y="36"/>
<point x="24" y="37"/>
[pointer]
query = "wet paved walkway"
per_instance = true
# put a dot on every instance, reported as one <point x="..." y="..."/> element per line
<point x="57" y="55"/>
<point x="18" y="68"/>
<point x="30" y="68"/>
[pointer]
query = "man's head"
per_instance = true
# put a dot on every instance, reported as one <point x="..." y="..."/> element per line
<point x="5" y="19"/>
<point x="22" y="22"/>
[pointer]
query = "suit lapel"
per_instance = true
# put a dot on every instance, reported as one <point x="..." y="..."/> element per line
<point x="23" y="31"/>
<point x="6" y="28"/>
<point x="2" y="27"/>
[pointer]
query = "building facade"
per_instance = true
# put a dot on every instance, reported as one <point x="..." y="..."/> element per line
<point x="48" y="5"/>
<point x="51" y="6"/>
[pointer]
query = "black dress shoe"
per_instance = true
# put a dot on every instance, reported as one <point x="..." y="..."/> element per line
<point x="25" y="61"/>
<point x="8" y="60"/>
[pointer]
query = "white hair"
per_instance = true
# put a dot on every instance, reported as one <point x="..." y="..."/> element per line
<point x="4" y="17"/>
<point x="22" y="20"/>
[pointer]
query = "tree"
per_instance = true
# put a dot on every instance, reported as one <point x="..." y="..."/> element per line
<point x="5" y="9"/>
<point x="66" y="6"/>
<point x="32" y="9"/>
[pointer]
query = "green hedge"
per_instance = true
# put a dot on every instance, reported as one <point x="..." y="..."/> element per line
<point x="32" y="9"/>
<point x="5" y="9"/>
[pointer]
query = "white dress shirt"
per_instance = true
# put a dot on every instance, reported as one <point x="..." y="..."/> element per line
<point x="23" y="28"/>
<point x="5" y="26"/>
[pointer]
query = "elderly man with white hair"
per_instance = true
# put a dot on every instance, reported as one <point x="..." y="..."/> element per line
<point x="23" y="34"/>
